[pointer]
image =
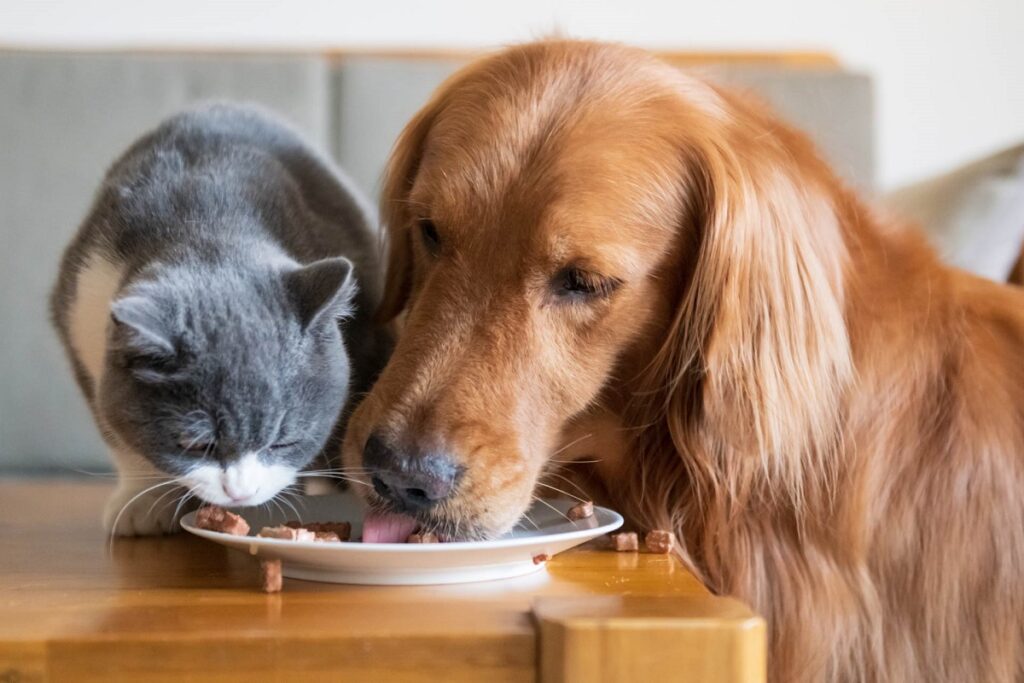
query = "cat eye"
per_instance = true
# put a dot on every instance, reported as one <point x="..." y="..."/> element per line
<point x="284" y="444"/>
<point x="575" y="284"/>
<point x="431" y="239"/>
<point x="195" y="447"/>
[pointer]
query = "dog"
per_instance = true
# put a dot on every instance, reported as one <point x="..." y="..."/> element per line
<point x="597" y="257"/>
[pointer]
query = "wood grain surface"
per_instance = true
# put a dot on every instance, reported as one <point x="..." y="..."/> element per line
<point x="73" y="608"/>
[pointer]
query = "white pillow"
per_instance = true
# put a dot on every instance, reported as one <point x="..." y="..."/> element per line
<point x="975" y="214"/>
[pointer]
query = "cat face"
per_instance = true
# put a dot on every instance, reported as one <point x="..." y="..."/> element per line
<point x="229" y="381"/>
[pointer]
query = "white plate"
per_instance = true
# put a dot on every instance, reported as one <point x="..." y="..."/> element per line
<point x="409" y="564"/>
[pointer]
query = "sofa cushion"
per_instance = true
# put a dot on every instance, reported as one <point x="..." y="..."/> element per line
<point x="63" y="119"/>
<point x="378" y="95"/>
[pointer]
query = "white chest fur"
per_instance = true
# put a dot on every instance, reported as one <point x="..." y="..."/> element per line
<point x="98" y="283"/>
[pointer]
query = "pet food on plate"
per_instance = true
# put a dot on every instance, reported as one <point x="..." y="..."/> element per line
<point x="215" y="518"/>
<point x="271" y="572"/>
<point x="581" y="511"/>
<point x="342" y="529"/>
<point x="660" y="541"/>
<point x="423" y="537"/>
<point x="326" y="537"/>
<point x="543" y="557"/>
<point x="286" y="533"/>
<point x="625" y="542"/>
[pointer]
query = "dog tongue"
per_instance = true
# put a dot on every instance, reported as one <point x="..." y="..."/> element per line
<point x="387" y="528"/>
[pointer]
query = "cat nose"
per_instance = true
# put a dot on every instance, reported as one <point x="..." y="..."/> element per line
<point x="410" y="481"/>
<point x="238" y="493"/>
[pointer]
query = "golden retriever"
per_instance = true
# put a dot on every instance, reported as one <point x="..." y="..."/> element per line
<point x="599" y="257"/>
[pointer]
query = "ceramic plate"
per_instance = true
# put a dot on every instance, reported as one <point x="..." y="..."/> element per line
<point x="409" y="564"/>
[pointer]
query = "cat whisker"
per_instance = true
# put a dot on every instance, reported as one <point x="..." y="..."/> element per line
<point x="529" y="519"/>
<point x="160" y="498"/>
<point x="564" y="493"/>
<point x="284" y="500"/>
<point x="336" y="470"/>
<point x="571" y="444"/>
<point x="544" y="502"/>
<point x="571" y="483"/>
<point x="117" y="518"/>
<point x="181" y="502"/>
<point x="337" y="477"/>
<point x="119" y="475"/>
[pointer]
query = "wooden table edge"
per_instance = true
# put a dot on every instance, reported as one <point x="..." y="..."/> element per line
<point x="623" y="638"/>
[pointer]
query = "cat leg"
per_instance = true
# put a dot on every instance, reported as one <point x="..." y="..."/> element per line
<point x="145" y="500"/>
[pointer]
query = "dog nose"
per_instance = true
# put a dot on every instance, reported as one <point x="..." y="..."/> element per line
<point x="410" y="481"/>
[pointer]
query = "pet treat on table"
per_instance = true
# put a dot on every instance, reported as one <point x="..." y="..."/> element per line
<point x="271" y="573"/>
<point x="626" y="542"/>
<point x="660" y="541"/>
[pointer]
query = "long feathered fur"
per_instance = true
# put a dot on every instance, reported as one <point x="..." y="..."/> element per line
<point x="830" y="418"/>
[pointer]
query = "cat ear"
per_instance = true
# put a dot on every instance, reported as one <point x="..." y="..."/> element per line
<point x="322" y="288"/>
<point x="142" y="334"/>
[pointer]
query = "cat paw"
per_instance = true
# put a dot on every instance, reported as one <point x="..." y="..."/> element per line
<point x="149" y="514"/>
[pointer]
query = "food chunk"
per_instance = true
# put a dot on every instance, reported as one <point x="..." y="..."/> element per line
<point x="286" y="533"/>
<point x="581" y="511"/>
<point x="660" y="541"/>
<point x="271" y="572"/>
<point x="543" y="557"/>
<point x="423" y="537"/>
<point x="214" y="518"/>
<point x="342" y="529"/>
<point x="326" y="537"/>
<point x="626" y="542"/>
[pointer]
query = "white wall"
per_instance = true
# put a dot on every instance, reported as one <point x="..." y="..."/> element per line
<point x="949" y="73"/>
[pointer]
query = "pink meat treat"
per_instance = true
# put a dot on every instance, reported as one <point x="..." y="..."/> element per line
<point x="423" y="537"/>
<point x="343" y="530"/>
<point x="581" y="511"/>
<point x="660" y="541"/>
<point x="625" y="542"/>
<point x="216" y="518"/>
<point x="287" y="533"/>
<point x="271" y="572"/>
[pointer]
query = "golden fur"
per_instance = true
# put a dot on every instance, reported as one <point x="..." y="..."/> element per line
<point x="830" y="418"/>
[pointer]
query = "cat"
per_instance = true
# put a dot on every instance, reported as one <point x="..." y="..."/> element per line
<point x="210" y="310"/>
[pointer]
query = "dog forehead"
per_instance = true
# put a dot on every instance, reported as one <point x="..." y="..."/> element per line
<point x="507" y="129"/>
<point x="592" y="170"/>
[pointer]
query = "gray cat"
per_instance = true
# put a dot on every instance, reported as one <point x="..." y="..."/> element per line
<point x="200" y="305"/>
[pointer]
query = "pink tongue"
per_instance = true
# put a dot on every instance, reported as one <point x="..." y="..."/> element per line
<point x="387" y="528"/>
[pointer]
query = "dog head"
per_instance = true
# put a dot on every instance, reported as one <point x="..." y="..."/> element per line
<point x="563" y="219"/>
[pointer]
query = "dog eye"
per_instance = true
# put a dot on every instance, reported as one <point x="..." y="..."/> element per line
<point x="575" y="283"/>
<point x="430" y="237"/>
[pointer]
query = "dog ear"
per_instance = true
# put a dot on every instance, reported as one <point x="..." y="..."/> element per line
<point x="757" y="354"/>
<point x="399" y="176"/>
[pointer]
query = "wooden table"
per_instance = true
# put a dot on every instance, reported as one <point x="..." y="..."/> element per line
<point x="179" y="608"/>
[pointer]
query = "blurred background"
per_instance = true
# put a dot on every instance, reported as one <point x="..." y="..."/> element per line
<point x="947" y="74"/>
<point x="918" y="102"/>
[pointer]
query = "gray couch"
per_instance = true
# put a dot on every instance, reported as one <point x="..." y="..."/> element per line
<point x="65" y="116"/>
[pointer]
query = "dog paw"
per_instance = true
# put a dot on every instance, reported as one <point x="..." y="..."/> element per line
<point x="131" y="512"/>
